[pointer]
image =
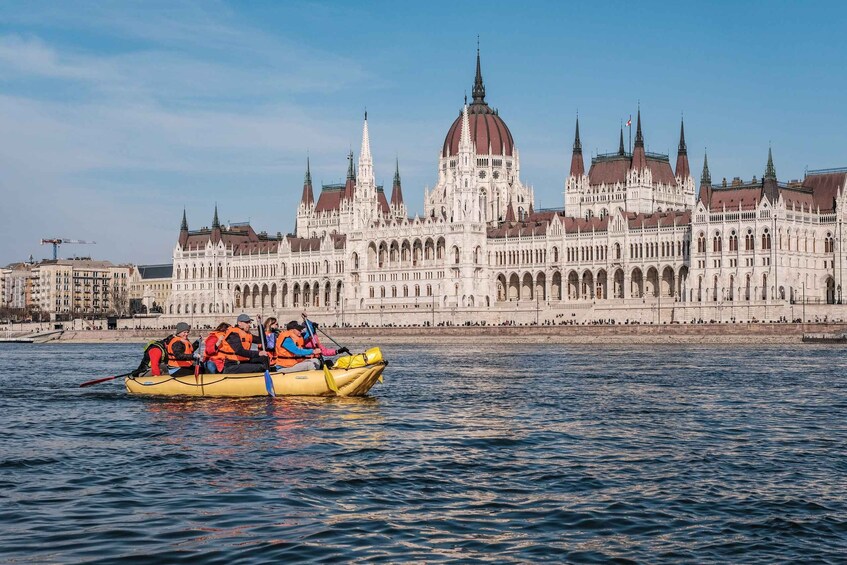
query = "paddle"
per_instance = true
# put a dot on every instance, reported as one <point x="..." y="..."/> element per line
<point x="269" y="382"/>
<point x="96" y="381"/>
<point x="330" y="380"/>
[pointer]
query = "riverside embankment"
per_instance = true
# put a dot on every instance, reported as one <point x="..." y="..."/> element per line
<point x="582" y="334"/>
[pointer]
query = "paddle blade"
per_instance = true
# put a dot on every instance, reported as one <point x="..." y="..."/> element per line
<point x="269" y="384"/>
<point x="330" y="380"/>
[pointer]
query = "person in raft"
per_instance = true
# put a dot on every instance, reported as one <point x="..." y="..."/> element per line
<point x="180" y="352"/>
<point x="271" y="328"/>
<point x="236" y="348"/>
<point x="311" y="341"/>
<point x="213" y="360"/>
<point x="290" y="354"/>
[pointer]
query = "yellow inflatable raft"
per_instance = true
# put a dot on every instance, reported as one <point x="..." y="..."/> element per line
<point x="354" y="375"/>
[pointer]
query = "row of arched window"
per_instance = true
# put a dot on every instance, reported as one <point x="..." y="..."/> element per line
<point x="392" y="292"/>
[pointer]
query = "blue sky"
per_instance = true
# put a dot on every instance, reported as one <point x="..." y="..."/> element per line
<point x="115" y="115"/>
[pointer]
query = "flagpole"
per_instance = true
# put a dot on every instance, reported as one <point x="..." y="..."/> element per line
<point x="629" y="125"/>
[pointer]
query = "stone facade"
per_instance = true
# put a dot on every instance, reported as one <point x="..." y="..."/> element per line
<point x="150" y="287"/>
<point x="633" y="243"/>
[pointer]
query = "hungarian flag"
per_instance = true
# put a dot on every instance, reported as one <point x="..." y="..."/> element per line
<point x="629" y="122"/>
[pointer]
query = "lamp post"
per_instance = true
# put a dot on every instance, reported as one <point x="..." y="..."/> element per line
<point x="433" y="310"/>
<point x="804" y="301"/>
<point x="659" y="311"/>
<point x="536" y="307"/>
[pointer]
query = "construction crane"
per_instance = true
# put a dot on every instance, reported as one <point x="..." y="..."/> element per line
<point x="57" y="241"/>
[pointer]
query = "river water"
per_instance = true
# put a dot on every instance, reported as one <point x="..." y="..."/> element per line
<point x="468" y="453"/>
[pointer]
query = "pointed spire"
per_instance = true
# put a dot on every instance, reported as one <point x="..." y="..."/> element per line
<point x="183" y="230"/>
<point x="365" y="152"/>
<point x="510" y="212"/>
<point x="396" y="191"/>
<point x="639" y="159"/>
<point x="478" y="86"/>
<point x="769" y="185"/>
<point x="350" y="186"/>
<point x="639" y="137"/>
<point x="465" y="139"/>
<point x="706" y="177"/>
<point x="683" y="170"/>
<point x="577" y="164"/>
<point x="216" y="227"/>
<point x="770" y="171"/>
<point x="308" y="197"/>
<point x="706" y="182"/>
<point x="577" y="145"/>
<point x="621" y="148"/>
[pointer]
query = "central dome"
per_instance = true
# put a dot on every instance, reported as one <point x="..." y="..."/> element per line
<point x="487" y="128"/>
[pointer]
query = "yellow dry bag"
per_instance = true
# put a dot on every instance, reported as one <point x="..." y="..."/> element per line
<point x="369" y="357"/>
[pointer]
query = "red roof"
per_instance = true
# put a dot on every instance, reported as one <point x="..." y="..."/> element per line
<point x="730" y="198"/>
<point x="659" y="219"/>
<point x="825" y="187"/>
<point x="799" y="199"/>
<point x="486" y="128"/>
<point x="538" y="223"/>
<point x="330" y="198"/>
<point x="383" y="202"/>
<point x="613" y="169"/>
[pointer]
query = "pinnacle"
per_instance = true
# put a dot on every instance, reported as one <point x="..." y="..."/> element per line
<point x="706" y="177"/>
<point x="639" y="137"/>
<point x="577" y="144"/>
<point x="770" y="172"/>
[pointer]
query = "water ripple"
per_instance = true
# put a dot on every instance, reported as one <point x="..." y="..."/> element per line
<point x="549" y="453"/>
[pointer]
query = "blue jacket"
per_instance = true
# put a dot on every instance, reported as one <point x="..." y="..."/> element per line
<point x="289" y="344"/>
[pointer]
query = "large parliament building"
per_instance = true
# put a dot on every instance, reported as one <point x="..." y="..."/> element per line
<point x="639" y="240"/>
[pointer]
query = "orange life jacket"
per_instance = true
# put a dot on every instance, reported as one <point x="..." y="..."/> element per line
<point x="217" y="354"/>
<point x="172" y="361"/>
<point x="226" y="350"/>
<point x="284" y="357"/>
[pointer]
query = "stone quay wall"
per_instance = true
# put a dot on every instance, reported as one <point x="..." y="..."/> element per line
<point x="724" y="334"/>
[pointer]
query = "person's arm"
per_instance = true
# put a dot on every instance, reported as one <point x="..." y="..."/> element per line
<point x="179" y="352"/>
<point x="235" y="343"/>
<point x="327" y="352"/>
<point x="289" y="344"/>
